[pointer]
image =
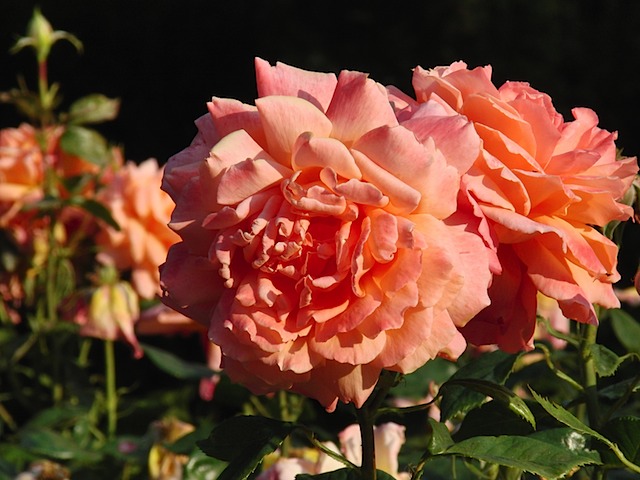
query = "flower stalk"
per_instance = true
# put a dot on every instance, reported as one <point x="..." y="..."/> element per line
<point x="111" y="394"/>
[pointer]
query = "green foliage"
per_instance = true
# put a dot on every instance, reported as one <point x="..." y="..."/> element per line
<point x="175" y="366"/>
<point x="492" y="367"/>
<point x="244" y="441"/>
<point x="85" y="143"/>
<point x="541" y="454"/>
<point x="94" y="108"/>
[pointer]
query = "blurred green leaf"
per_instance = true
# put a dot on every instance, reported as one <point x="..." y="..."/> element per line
<point x="497" y="392"/>
<point x="493" y="367"/>
<point x="85" y="143"/>
<point x="492" y="418"/>
<point x="175" y="366"/>
<point x="618" y="390"/>
<point x="49" y="443"/>
<point x="626" y="329"/>
<point x="416" y="385"/>
<point x="55" y="416"/>
<point x="244" y="441"/>
<point x="624" y="432"/>
<point x="75" y="183"/>
<point x="96" y="209"/>
<point x="94" y="108"/>
<point x="16" y="456"/>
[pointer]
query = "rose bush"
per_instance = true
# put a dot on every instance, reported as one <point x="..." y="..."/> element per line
<point x="319" y="239"/>
<point x="540" y="188"/>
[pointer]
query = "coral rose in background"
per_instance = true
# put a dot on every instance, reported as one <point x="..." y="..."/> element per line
<point x="539" y="189"/>
<point x="317" y="237"/>
<point x="22" y="166"/>
<point x="142" y="211"/>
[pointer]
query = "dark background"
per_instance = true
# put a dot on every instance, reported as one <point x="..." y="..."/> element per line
<point x="165" y="59"/>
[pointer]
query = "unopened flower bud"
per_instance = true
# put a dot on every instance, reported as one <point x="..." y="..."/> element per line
<point x="41" y="36"/>
<point x="113" y="311"/>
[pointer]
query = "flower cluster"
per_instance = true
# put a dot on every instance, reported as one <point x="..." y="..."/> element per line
<point x="134" y="240"/>
<point x="338" y="227"/>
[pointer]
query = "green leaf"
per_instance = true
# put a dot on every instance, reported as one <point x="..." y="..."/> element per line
<point x="626" y="329"/>
<point x="605" y="361"/>
<point x="625" y="432"/>
<point x="499" y="393"/>
<point x="417" y="384"/>
<point x="439" y="439"/>
<point x="53" y="445"/>
<point x="202" y="467"/>
<point x="493" y="367"/>
<point x="566" y="417"/>
<point x="94" y="108"/>
<point x="244" y="441"/>
<point x="617" y="390"/>
<point x="492" y="418"/>
<point x="54" y="416"/>
<point x="175" y="366"/>
<point x="342" y="474"/>
<point x="96" y="209"/>
<point x="85" y="143"/>
<point x="536" y="455"/>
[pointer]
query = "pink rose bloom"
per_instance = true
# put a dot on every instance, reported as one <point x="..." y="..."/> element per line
<point x="142" y="210"/>
<point x="388" y="439"/>
<point x="287" y="468"/>
<point x="315" y="238"/>
<point x="539" y="188"/>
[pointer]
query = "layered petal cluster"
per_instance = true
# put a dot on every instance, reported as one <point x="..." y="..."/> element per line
<point x="317" y="237"/>
<point x="142" y="211"/>
<point x="540" y="188"/>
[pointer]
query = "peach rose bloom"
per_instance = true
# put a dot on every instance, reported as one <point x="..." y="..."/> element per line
<point x="22" y="165"/>
<point x="142" y="210"/>
<point x="315" y="240"/>
<point x="539" y="189"/>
